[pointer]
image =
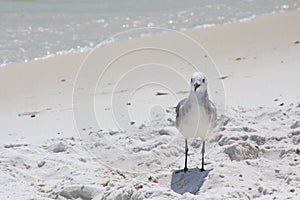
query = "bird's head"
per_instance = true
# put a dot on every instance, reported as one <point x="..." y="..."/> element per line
<point x="198" y="83"/>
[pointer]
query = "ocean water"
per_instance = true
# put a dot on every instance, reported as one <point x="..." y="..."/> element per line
<point x="35" y="29"/>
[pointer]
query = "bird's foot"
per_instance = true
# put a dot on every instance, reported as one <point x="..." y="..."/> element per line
<point x="185" y="169"/>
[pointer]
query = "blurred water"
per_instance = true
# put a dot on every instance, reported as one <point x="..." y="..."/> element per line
<point x="32" y="29"/>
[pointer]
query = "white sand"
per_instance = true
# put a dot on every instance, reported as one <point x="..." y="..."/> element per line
<point x="253" y="153"/>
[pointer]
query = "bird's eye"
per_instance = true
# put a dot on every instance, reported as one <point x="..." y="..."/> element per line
<point x="191" y="80"/>
<point x="203" y="80"/>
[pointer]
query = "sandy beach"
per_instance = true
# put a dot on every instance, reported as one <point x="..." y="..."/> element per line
<point x="100" y="124"/>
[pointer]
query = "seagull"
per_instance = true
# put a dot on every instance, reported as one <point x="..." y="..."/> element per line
<point x="196" y="115"/>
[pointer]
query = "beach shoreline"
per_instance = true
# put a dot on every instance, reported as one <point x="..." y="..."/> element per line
<point x="252" y="68"/>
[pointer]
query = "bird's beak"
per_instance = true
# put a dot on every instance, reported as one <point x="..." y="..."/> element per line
<point x="196" y="86"/>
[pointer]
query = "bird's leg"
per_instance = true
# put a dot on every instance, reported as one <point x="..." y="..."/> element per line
<point x="203" y="150"/>
<point x="186" y="154"/>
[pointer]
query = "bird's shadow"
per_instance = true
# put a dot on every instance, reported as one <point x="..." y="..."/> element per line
<point x="190" y="180"/>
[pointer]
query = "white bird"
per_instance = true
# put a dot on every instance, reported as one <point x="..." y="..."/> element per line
<point x="196" y="115"/>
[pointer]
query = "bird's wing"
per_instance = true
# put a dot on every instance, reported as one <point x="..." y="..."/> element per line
<point x="179" y="111"/>
<point x="179" y="105"/>
<point x="213" y="115"/>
